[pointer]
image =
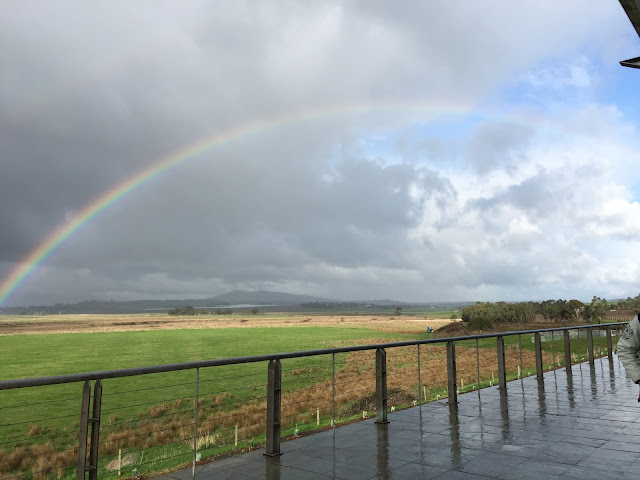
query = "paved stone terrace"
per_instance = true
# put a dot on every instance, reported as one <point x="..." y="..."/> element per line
<point x="587" y="427"/>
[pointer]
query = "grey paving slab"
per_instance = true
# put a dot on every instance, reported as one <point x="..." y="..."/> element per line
<point x="586" y="425"/>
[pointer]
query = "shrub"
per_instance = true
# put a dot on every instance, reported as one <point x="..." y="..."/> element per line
<point x="188" y="310"/>
<point x="34" y="430"/>
<point x="480" y="322"/>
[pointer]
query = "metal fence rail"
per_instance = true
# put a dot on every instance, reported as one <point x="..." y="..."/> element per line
<point x="147" y="419"/>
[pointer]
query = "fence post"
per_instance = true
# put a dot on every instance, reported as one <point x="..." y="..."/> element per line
<point x="478" y="363"/>
<point x="609" y="345"/>
<point x="538" y="347"/>
<point x="274" y="398"/>
<point x="82" y="435"/>
<point x="567" y="353"/>
<point x="590" y="348"/>
<point x="195" y="425"/>
<point x="502" y="370"/>
<point x="381" y="386"/>
<point x="419" y="379"/>
<point x="452" y="385"/>
<point x="333" y="391"/>
<point x="95" y="430"/>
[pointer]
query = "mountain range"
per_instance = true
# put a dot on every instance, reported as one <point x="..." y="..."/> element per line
<point x="266" y="300"/>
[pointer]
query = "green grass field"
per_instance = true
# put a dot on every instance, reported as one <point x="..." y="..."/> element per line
<point x="25" y="356"/>
<point x="33" y="417"/>
<point x="158" y="409"/>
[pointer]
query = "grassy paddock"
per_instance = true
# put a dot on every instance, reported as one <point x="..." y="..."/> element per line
<point x="26" y="356"/>
<point x="89" y="323"/>
<point x="150" y="417"/>
<point x="42" y="421"/>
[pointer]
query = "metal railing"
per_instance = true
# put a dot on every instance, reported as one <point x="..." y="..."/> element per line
<point x="217" y="406"/>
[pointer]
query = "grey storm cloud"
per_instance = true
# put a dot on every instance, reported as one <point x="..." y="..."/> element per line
<point x="497" y="146"/>
<point x="540" y="196"/>
<point x="90" y="94"/>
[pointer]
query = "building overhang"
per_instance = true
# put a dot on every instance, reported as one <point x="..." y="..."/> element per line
<point x="632" y="62"/>
<point x="632" y="9"/>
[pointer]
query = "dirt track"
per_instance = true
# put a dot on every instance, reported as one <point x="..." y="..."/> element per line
<point x="21" y="325"/>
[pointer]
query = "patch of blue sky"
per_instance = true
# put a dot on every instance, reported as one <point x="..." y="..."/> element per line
<point x="558" y="84"/>
<point x="621" y="88"/>
<point x="438" y="141"/>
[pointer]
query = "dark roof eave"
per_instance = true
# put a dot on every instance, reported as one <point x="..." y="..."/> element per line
<point x="632" y="62"/>
<point x="632" y="9"/>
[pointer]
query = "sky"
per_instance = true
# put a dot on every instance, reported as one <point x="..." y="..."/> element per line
<point x="353" y="150"/>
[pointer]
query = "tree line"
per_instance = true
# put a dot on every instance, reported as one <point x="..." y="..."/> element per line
<point x="483" y="315"/>
<point x="189" y="310"/>
<point x="629" y="304"/>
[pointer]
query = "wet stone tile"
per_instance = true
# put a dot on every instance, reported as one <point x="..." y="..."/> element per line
<point x="415" y="470"/>
<point x="587" y="473"/>
<point x="354" y="472"/>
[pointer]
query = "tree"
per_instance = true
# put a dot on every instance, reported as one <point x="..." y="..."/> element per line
<point x="398" y="311"/>
<point x="188" y="310"/>
<point x="483" y="316"/>
<point x="630" y="304"/>
<point x="596" y="310"/>
<point x="505" y="312"/>
<point x="255" y="311"/>
<point x="574" y="308"/>
<point x="525" y="312"/>
<point x="549" y="310"/>
<point x="467" y="313"/>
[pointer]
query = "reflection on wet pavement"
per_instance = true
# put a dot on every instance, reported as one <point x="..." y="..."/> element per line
<point x="582" y="426"/>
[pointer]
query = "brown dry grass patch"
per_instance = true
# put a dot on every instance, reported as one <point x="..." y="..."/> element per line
<point x="34" y="430"/>
<point x="25" y="325"/>
<point x="41" y="459"/>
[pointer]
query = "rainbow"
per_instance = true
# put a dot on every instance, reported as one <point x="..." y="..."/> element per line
<point x="50" y="244"/>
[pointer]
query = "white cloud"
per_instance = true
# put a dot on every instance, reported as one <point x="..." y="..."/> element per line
<point x="580" y="73"/>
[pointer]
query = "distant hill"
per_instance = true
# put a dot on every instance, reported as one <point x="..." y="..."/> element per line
<point x="236" y="300"/>
<point x="263" y="297"/>
<point x="274" y="301"/>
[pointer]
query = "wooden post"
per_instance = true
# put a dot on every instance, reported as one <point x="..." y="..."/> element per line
<point x="538" y="348"/>
<point x="590" y="348"/>
<point x="95" y="430"/>
<point x="419" y="379"/>
<point x="502" y="371"/>
<point x="567" y="352"/>
<point x="381" y="386"/>
<point x="274" y="398"/>
<point x="333" y="391"/>
<point x="195" y="425"/>
<point x="82" y="435"/>
<point x="452" y="386"/>
<point x="478" y="362"/>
